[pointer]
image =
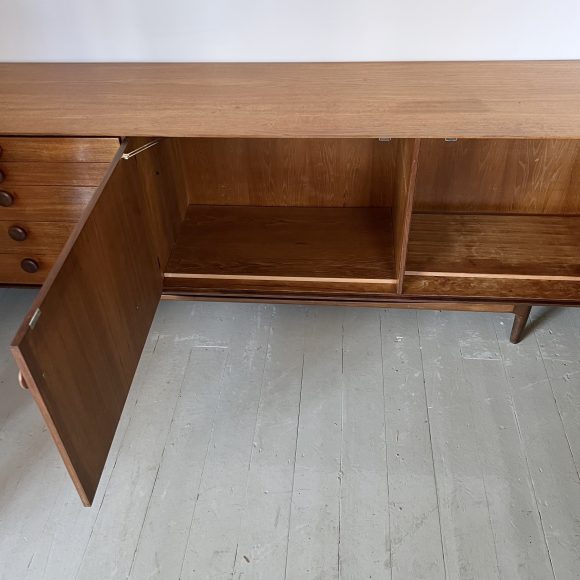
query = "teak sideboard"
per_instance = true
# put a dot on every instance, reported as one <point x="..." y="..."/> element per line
<point x="430" y="185"/>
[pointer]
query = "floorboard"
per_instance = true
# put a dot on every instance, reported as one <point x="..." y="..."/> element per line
<point x="519" y="539"/>
<point x="220" y="505"/>
<point x="167" y="522"/>
<point x="263" y="540"/>
<point x="365" y="542"/>
<point x="469" y="546"/>
<point x="416" y="549"/>
<point x="314" y="525"/>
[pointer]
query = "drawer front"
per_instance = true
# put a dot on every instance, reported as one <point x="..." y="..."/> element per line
<point x="60" y="203"/>
<point x="45" y="184"/>
<point x="26" y="236"/>
<point x="16" y="173"/>
<point x="12" y="271"/>
<point x="58" y="149"/>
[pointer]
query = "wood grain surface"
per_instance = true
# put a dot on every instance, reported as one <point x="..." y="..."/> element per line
<point x="290" y="172"/>
<point x="61" y="203"/>
<point x="44" y="236"/>
<point x="223" y="245"/>
<point x="393" y="99"/>
<point x="499" y="176"/>
<point x="500" y="245"/>
<point x="18" y="173"/>
<point x="58" y="149"/>
<point x="474" y="288"/>
<point x="406" y="173"/>
<point x="12" y="272"/>
<point x="298" y="289"/>
<point x="387" y="302"/>
<point x="95" y="311"/>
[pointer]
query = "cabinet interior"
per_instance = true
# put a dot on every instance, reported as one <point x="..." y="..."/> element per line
<point x="371" y="217"/>
<point x="496" y="218"/>
<point x="299" y="216"/>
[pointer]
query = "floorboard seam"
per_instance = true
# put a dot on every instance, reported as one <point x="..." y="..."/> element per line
<point x="431" y="447"/>
<point x="295" y="458"/>
<point x="181" y="384"/>
<point x="388" y="510"/>
<point x="209" y="440"/>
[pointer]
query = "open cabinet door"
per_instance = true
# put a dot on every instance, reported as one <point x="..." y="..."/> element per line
<point x="79" y="346"/>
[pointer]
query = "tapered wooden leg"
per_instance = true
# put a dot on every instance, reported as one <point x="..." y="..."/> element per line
<point x="522" y="313"/>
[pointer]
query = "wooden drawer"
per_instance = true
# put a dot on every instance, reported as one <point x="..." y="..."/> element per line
<point x="47" y="203"/>
<point x="44" y="236"/>
<point x="11" y="271"/>
<point x="42" y="173"/>
<point x="58" y="149"/>
<point x="51" y="178"/>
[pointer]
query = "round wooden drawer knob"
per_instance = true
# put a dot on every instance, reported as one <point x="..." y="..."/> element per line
<point x="29" y="265"/>
<point x="6" y="199"/>
<point x="17" y="233"/>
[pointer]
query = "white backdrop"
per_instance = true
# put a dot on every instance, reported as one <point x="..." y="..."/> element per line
<point x="287" y="30"/>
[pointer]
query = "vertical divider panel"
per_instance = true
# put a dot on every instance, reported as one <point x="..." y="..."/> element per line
<point x="407" y="162"/>
<point x="166" y="204"/>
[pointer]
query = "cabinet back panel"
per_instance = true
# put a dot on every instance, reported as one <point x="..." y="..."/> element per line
<point x="290" y="172"/>
<point x="501" y="176"/>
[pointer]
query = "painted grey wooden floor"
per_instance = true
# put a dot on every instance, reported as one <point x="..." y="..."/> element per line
<point x="271" y="442"/>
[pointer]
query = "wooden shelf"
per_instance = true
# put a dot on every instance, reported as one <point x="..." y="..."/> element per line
<point x="494" y="256"/>
<point x="278" y="249"/>
<point x="495" y="245"/>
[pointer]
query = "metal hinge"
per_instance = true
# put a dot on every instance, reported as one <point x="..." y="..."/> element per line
<point x="34" y="318"/>
<point x="140" y="149"/>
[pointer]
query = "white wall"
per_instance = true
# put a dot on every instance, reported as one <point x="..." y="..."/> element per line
<point x="288" y="30"/>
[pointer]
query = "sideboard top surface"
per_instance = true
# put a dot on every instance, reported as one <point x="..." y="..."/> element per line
<point x="379" y="99"/>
